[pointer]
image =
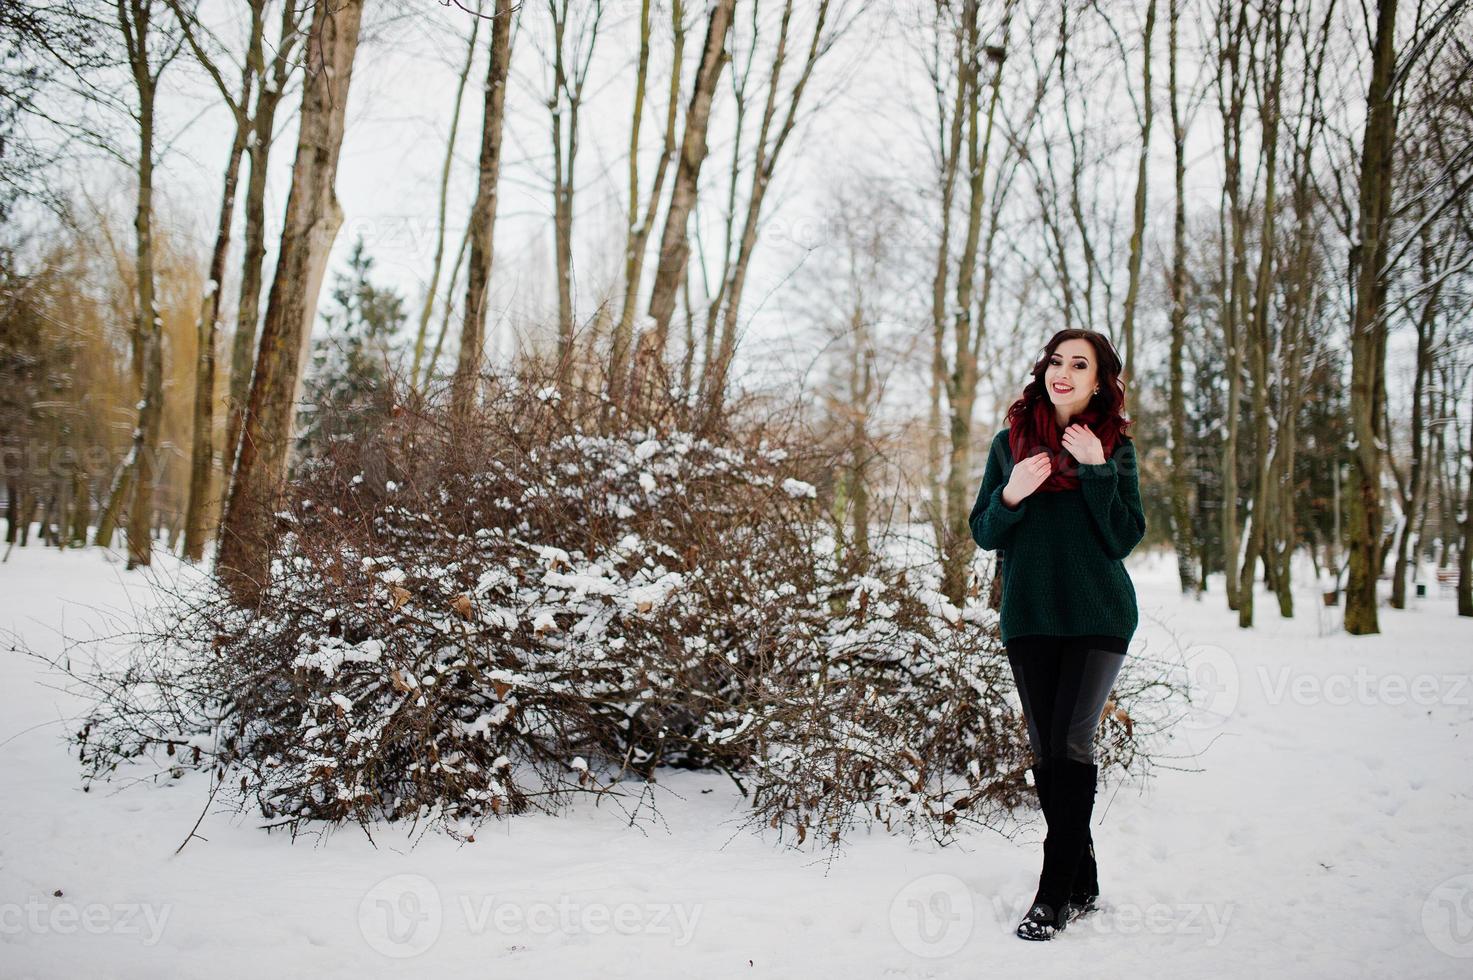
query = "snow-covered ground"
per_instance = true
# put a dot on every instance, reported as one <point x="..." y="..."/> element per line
<point x="1316" y="823"/>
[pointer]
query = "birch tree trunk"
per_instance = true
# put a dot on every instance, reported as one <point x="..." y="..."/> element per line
<point x="312" y="220"/>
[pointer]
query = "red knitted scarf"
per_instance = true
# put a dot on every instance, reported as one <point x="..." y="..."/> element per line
<point x="1038" y="431"/>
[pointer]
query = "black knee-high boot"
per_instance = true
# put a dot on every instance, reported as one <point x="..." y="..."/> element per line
<point x="1085" y="889"/>
<point x="1068" y="805"/>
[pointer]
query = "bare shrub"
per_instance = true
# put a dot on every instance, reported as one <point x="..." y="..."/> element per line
<point x="466" y="621"/>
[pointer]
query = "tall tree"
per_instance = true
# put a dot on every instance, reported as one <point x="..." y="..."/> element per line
<point x="640" y="223"/>
<point x="565" y="103"/>
<point x="1182" y="534"/>
<point x="960" y="381"/>
<point x="674" y="241"/>
<point x="150" y="48"/>
<point x="269" y="92"/>
<point x="1235" y="43"/>
<point x="202" y="448"/>
<point x="772" y="136"/>
<point x="482" y="225"/>
<point x="432" y="288"/>
<point x="1138" y="220"/>
<point x="1368" y="329"/>
<point x="1258" y="342"/>
<point x="313" y="217"/>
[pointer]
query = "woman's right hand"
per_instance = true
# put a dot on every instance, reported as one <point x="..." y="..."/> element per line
<point x="1026" y="477"/>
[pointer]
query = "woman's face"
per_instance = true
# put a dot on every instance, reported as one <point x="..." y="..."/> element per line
<point x="1071" y="366"/>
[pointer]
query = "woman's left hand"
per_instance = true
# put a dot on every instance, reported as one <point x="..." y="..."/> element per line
<point x="1083" y="444"/>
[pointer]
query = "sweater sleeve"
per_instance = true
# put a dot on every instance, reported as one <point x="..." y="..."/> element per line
<point x="1112" y="493"/>
<point x="992" y="521"/>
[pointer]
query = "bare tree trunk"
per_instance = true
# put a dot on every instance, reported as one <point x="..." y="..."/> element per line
<point x="859" y="439"/>
<point x="202" y="453"/>
<point x="949" y="159"/>
<point x="465" y="386"/>
<point x="563" y="168"/>
<point x="1300" y="310"/>
<point x="135" y="19"/>
<point x="638" y="232"/>
<point x="1138" y="222"/>
<point x="253" y="235"/>
<point x="202" y="448"/>
<point x="674" y="242"/>
<point x="716" y="297"/>
<point x="312" y="220"/>
<point x="1078" y="158"/>
<point x="450" y="287"/>
<point x="1368" y="330"/>
<point x="1232" y="320"/>
<point x="565" y="104"/>
<point x="434" y="284"/>
<point x="1465" y="547"/>
<point x="1426" y="329"/>
<point x="1262" y="498"/>
<point x="1447" y="471"/>
<point x="1182" y="533"/>
<point x="12" y="511"/>
<point x="764" y="166"/>
<point x="81" y="514"/>
<point x="119" y="491"/>
<point x="961" y="381"/>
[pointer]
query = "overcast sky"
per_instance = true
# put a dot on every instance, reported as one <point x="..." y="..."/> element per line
<point x="866" y="120"/>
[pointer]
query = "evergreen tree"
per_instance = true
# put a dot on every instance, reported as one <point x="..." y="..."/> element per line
<point x="348" y="385"/>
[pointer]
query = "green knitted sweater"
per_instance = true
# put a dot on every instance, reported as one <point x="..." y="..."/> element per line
<point x="1062" y="553"/>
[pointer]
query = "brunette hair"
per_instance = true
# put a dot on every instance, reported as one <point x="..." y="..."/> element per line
<point x="1109" y="402"/>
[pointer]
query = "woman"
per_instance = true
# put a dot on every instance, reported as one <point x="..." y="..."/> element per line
<point x="1062" y="520"/>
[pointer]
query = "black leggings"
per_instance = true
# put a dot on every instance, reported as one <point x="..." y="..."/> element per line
<point x="1063" y="682"/>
